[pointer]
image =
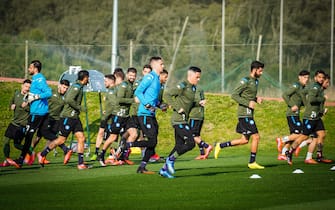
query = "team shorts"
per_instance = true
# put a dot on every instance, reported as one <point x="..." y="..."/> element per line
<point x="117" y="125"/>
<point x="246" y="126"/>
<point x="68" y="125"/>
<point x="294" y="124"/>
<point x="196" y="126"/>
<point x="16" y="133"/>
<point x="310" y="127"/>
<point x="132" y="122"/>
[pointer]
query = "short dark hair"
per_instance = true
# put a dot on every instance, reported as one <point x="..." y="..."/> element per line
<point x="117" y="69"/>
<point x="155" y="58"/>
<point x="256" y="65"/>
<point x="327" y="76"/>
<point x="320" y="72"/>
<point x="26" y="81"/>
<point x="194" y="69"/>
<point x="82" y="74"/>
<point x="110" y="76"/>
<point x="37" y="64"/>
<point x="132" y="69"/>
<point x="164" y="71"/>
<point x="119" y="74"/>
<point x="65" y="82"/>
<point x="147" y="66"/>
<point x="304" y="72"/>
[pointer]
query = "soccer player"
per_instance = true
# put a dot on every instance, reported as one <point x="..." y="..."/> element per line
<point x="294" y="98"/>
<point x="197" y="115"/>
<point x="38" y="98"/>
<point x="56" y="104"/>
<point x="109" y="84"/>
<point x="147" y="94"/>
<point x="246" y="96"/>
<point x="312" y="122"/>
<point x="70" y="122"/>
<point x="182" y="99"/>
<point x="16" y="128"/>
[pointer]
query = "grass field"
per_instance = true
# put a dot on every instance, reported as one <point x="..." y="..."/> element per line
<point x="209" y="184"/>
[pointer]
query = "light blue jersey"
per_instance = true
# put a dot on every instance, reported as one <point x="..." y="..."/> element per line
<point x="40" y="87"/>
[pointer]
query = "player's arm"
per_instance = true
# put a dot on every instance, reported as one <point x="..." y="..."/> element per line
<point x="236" y="95"/>
<point x="70" y="98"/>
<point x="140" y="90"/>
<point x="170" y="97"/>
<point x="121" y="95"/>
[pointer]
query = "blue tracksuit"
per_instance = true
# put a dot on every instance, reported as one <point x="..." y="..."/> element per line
<point x="148" y="92"/>
<point x="40" y="87"/>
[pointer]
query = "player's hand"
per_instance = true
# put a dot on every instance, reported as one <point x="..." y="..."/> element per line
<point x="202" y="102"/>
<point x="30" y="97"/>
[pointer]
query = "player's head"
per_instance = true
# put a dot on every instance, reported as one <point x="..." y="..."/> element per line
<point x="119" y="77"/>
<point x="25" y="86"/>
<point x="326" y="82"/>
<point x="63" y="86"/>
<point x="157" y="64"/>
<point x="193" y="75"/>
<point x="109" y="80"/>
<point x="146" y="69"/>
<point x="163" y="77"/>
<point x="131" y="74"/>
<point x="319" y="76"/>
<point x="83" y="76"/>
<point x="35" y="67"/>
<point x="303" y="77"/>
<point x="256" y="68"/>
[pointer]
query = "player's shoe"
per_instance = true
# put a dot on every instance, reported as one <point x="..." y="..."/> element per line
<point x="67" y="156"/>
<point x="208" y="150"/>
<point x="170" y="166"/>
<point x="26" y="159"/>
<point x="83" y="166"/>
<point x="311" y="161"/>
<point x="141" y="170"/>
<point x="281" y="157"/>
<point x="279" y="144"/>
<point x="13" y="163"/>
<point x="94" y="157"/>
<point x="200" y="157"/>
<point x="255" y="165"/>
<point x="102" y="163"/>
<point x="41" y="159"/>
<point x="154" y="158"/>
<point x="217" y="149"/>
<point x="297" y="151"/>
<point x="32" y="158"/>
<point x="166" y="174"/>
<point x="289" y="157"/>
<point x="46" y="162"/>
<point x="5" y="164"/>
<point x="128" y="162"/>
<point x="324" y="160"/>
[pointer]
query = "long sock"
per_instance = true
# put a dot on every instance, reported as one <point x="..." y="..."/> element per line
<point x="283" y="152"/>
<point x="96" y="150"/>
<point x="252" y="157"/>
<point x="143" y="164"/>
<point x="203" y="144"/>
<point x="80" y="158"/>
<point x="285" y="139"/>
<point x="64" y="148"/>
<point x="6" y="150"/>
<point x="45" y="152"/>
<point x="319" y="150"/>
<point x="309" y="156"/>
<point x="201" y="149"/>
<point x="225" y="144"/>
<point x="303" y="144"/>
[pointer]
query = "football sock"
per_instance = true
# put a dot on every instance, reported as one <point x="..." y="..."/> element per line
<point x="285" y="139"/>
<point x="202" y="151"/>
<point x="45" y="152"/>
<point x="203" y="144"/>
<point x="143" y="164"/>
<point x="64" y="148"/>
<point x="252" y="157"/>
<point x="6" y="150"/>
<point x="283" y="152"/>
<point x="309" y="155"/>
<point x="303" y="144"/>
<point x="96" y="150"/>
<point x="80" y="158"/>
<point x="319" y="150"/>
<point x="225" y="144"/>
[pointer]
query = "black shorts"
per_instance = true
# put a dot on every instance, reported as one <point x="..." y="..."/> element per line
<point x="103" y="124"/>
<point x="310" y="127"/>
<point x="132" y="122"/>
<point x="196" y="126"/>
<point x="41" y="125"/>
<point x="294" y="124"/>
<point x="117" y="125"/>
<point x="246" y="126"/>
<point x="16" y="133"/>
<point x="68" y="125"/>
<point x="50" y="126"/>
<point x="149" y="126"/>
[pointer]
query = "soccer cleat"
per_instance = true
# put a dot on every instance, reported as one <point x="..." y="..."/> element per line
<point x="166" y="174"/>
<point x="297" y="151"/>
<point x="281" y="157"/>
<point x="27" y="158"/>
<point x="141" y="170"/>
<point x="94" y="157"/>
<point x="154" y="158"/>
<point x="46" y="161"/>
<point x="279" y="144"/>
<point x="200" y="157"/>
<point x="5" y="164"/>
<point x="311" y="161"/>
<point x="102" y="163"/>
<point x="128" y="162"/>
<point x="289" y="157"/>
<point x="324" y="160"/>
<point x="208" y="150"/>
<point x="67" y="156"/>
<point x="83" y="166"/>
<point x="170" y="166"/>
<point x="255" y="165"/>
<point x="13" y="163"/>
<point x="32" y="158"/>
<point x="217" y="149"/>
<point x="41" y="159"/>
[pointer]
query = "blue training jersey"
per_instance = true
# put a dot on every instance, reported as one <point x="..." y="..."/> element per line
<point x="40" y="87"/>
